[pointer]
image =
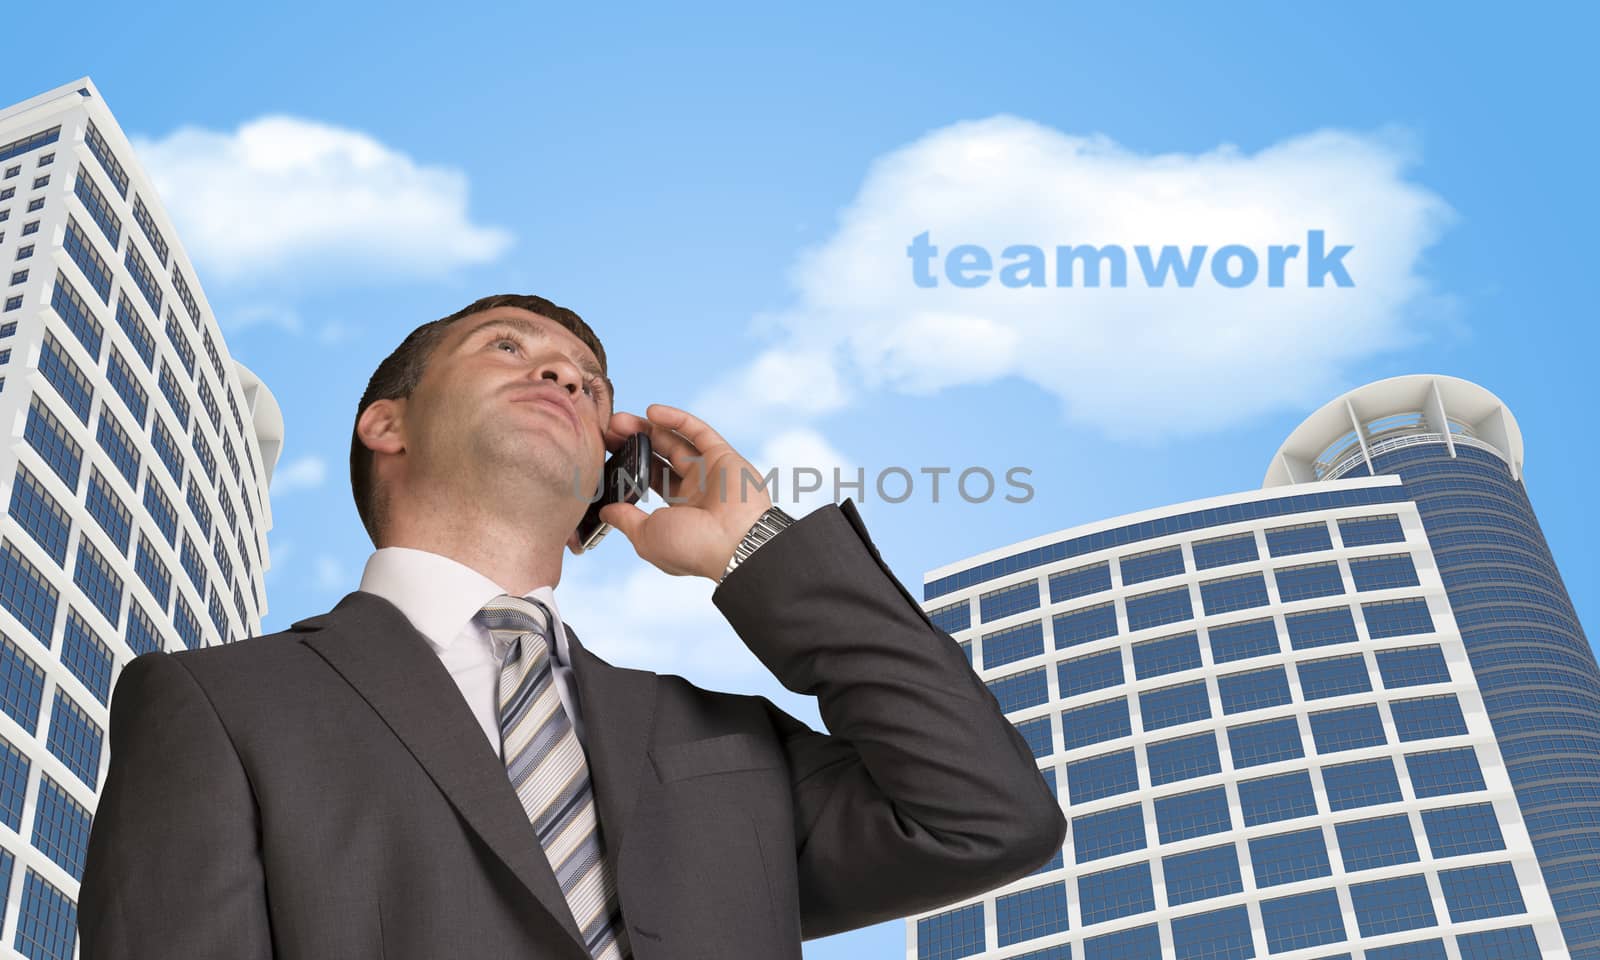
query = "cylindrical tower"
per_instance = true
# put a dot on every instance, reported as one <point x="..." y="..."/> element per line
<point x="1459" y="452"/>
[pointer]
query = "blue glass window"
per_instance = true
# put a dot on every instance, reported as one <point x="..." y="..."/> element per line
<point x="1103" y="776"/>
<point x="1139" y="943"/>
<point x="1234" y="593"/>
<point x="1027" y="914"/>
<point x="126" y="385"/>
<point x="99" y="210"/>
<point x="1303" y="920"/>
<point x="1159" y="608"/>
<point x="1224" y="551"/>
<point x="1425" y="718"/>
<point x="21" y="685"/>
<point x="79" y="247"/>
<point x="1397" y="618"/>
<point x="61" y="827"/>
<point x="1120" y="892"/>
<point x="1289" y="857"/>
<point x="46" y="921"/>
<point x="180" y="341"/>
<point x="1458" y="831"/>
<point x="152" y="571"/>
<point x="1095" y="723"/>
<point x="952" y="618"/>
<point x="202" y="450"/>
<point x="1084" y="674"/>
<point x="1388" y="906"/>
<point x="118" y="446"/>
<point x="142" y="278"/>
<point x="1151" y="565"/>
<point x="1164" y="655"/>
<point x="188" y="626"/>
<point x="26" y="592"/>
<point x="86" y="656"/>
<point x="70" y="307"/>
<point x="1253" y="690"/>
<point x="1183" y="758"/>
<point x="107" y="510"/>
<point x="1379" y="842"/>
<point x="193" y="563"/>
<point x="141" y="216"/>
<point x="137" y="330"/>
<point x="75" y="739"/>
<point x="1177" y="704"/>
<point x="1286" y="796"/>
<point x="65" y="376"/>
<point x="952" y="934"/>
<point x="1413" y="666"/>
<point x="1244" y="641"/>
<point x="1333" y="677"/>
<point x="1515" y="943"/>
<point x="1019" y="691"/>
<point x="94" y="576"/>
<point x="1035" y="732"/>
<point x="1347" y="729"/>
<point x="1268" y="741"/>
<point x="161" y="509"/>
<point x="1080" y="582"/>
<point x="1085" y="625"/>
<point x="54" y="443"/>
<point x="39" y="515"/>
<point x="1309" y="580"/>
<point x="1383" y="573"/>
<point x="1213" y="872"/>
<point x="102" y="152"/>
<point x="1009" y="645"/>
<point x="1096" y="836"/>
<point x="14" y="766"/>
<point x="1192" y="814"/>
<point x="1364" y="783"/>
<point x="173" y="391"/>
<point x="166" y="449"/>
<point x="1320" y="628"/>
<point x="1440" y="772"/>
<point x="1218" y="935"/>
<point x="1299" y="538"/>
<point x="1365" y="531"/>
<point x="142" y="636"/>
<point x="1417" y="950"/>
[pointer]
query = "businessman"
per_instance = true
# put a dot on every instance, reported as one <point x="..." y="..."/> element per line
<point x="438" y="768"/>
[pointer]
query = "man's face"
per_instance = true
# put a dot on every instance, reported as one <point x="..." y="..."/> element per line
<point x="509" y="395"/>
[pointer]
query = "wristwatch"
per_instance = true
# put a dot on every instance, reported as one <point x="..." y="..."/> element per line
<point x="768" y="525"/>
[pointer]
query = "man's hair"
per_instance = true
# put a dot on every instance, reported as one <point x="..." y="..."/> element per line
<point x="400" y="372"/>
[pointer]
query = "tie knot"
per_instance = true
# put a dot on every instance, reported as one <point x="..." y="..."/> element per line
<point x="516" y="616"/>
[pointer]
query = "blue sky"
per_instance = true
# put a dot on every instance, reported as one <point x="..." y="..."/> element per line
<point x="726" y="196"/>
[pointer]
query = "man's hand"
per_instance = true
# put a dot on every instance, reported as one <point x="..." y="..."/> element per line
<point x="713" y="494"/>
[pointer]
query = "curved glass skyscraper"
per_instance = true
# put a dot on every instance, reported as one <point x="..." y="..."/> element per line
<point x="133" y="476"/>
<point x="1459" y="452"/>
<point x="1268" y="718"/>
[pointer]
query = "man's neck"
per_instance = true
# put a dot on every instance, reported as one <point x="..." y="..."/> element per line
<point x="519" y="553"/>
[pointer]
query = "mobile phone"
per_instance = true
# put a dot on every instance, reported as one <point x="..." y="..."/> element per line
<point x="625" y="479"/>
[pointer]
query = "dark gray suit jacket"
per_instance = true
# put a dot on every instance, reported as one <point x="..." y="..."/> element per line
<point x="326" y="793"/>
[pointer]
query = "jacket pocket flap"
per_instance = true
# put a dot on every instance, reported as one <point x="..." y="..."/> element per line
<point x="725" y="754"/>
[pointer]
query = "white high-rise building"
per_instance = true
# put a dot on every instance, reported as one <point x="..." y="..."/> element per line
<point x="134" y="475"/>
<point x="1262" y="721"/>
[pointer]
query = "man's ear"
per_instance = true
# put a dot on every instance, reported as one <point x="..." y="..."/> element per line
<point x="381" y="427"/>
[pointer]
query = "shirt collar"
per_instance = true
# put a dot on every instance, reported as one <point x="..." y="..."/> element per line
<point x="440" y="596"/>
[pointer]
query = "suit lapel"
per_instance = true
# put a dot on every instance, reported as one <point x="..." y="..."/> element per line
<point x="374" y="647"/>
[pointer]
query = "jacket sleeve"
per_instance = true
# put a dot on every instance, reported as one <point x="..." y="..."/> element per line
<point x="922" y="793"/>
<point x="173" y="866"/>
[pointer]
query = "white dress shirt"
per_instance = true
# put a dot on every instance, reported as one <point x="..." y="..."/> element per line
<point x="440" y="596"/>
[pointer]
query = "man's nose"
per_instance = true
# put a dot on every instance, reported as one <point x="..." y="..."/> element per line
<point x="562" y="372"/>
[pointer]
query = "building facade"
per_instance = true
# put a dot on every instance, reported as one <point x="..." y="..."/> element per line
<point x="134" y="473"/>
<point x="1274" y="719"/>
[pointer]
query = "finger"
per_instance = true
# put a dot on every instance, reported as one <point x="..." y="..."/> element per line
<point x="692" y="427"/>
<point x="621" y="427"/>
<point x="674" y="447"/>
<point x="663" y="479"/>
<point x="625" y="517"/>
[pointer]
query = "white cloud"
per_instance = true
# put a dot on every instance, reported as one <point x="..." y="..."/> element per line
<point x="282" y="196"/>
<point x="305" y="473"/>
<point x="1134" y="360"/>
<point x="331" y="575"/>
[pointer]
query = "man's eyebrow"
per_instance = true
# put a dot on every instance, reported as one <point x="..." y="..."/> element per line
<point x="535" y="332"/>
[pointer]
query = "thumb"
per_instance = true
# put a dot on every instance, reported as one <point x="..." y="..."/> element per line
<point x="627" y="518"/>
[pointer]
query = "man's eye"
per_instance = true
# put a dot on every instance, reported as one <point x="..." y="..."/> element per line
<point x="506" y="343"/>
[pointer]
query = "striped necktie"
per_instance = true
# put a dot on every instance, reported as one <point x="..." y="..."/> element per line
<point x="547" y="768"/>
